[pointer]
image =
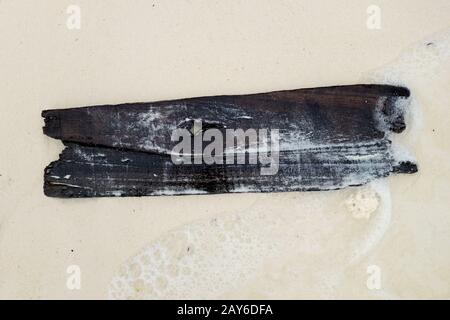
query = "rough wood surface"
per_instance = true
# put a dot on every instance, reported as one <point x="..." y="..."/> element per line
<point x="330" y="138"/>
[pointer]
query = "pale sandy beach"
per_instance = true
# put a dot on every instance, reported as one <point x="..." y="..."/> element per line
<point x="387" y="240"/>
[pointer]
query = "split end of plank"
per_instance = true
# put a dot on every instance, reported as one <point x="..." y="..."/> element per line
<point x="407" y="167"/>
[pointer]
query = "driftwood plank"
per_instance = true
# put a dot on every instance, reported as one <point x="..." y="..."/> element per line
<point x="85" y="171"/>
<point x="330" y="138"/>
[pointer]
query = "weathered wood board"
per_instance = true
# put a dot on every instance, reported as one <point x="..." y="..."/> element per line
<point x="329" y="138"/>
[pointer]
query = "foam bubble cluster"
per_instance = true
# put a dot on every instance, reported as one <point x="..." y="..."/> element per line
<point x="211" y="257"/>
<point x="362" y="203"/>
<point x="202" y="259"/>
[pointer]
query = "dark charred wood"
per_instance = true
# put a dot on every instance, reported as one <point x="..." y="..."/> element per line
<point x="330" y="138"/>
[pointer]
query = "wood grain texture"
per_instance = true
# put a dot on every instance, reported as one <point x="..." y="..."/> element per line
<point x="330" y="138"/>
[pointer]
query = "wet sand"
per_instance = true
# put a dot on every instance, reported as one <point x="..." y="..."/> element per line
<point x="286" y="245"/>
